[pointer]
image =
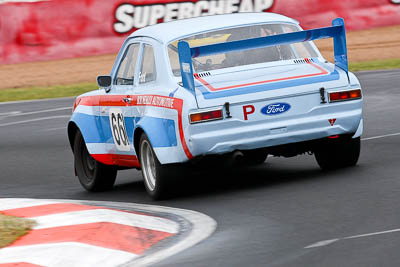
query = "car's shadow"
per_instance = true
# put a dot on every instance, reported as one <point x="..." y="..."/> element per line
<point x="229" y="180"/>
<point x="267" y="176"/>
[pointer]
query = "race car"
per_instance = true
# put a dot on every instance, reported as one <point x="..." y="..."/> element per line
<point x="237" y="86"/>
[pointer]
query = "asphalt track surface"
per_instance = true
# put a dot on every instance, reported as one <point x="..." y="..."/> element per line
<point x="266" y="215"/>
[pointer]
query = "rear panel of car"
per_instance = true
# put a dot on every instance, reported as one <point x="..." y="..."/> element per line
<point x="270" y="122"/>
<point x="272" y="103"/>
<point x="288" y="105"/>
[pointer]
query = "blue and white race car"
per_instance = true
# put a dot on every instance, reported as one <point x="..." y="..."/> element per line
<point x="244" y="85"/>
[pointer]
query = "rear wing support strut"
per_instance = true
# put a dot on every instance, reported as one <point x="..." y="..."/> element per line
<point x="336" y="31"/>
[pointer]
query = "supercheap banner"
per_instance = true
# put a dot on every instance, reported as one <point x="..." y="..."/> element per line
<point x="33" y="30"/>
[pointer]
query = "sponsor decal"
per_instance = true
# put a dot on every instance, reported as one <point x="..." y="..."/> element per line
<point x="186" y="67"/>
<point x="275" y="109"/>
<point x="158" y="101"/>
<point x="129" y="17"/>
<point x="332" y="121"/>
<point x="247" y="110"/>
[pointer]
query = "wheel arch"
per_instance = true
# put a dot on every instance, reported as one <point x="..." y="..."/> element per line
<point x="72" y="130"/>
<point x="136" y="139"/>
<point x="163" y="137"/>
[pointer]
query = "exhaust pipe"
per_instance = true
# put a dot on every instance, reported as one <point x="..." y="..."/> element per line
<point x="234" y="159"/>
<point x="237" y="156"/>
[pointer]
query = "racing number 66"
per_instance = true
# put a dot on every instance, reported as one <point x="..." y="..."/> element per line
<point x="118" y="125"/>
<point x="118" y="129"/>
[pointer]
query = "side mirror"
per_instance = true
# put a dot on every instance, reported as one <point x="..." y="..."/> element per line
<point x="104" y="81"/>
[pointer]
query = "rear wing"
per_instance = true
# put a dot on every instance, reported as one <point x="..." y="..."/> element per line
<point x="337" y="32"/>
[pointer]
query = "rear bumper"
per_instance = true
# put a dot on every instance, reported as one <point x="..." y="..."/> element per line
<point x="236" y="134"/>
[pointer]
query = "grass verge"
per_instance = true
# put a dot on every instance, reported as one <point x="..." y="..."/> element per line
<point x="56" y="91"/>
<point x="12" y="228"/>
<point x="31" y="93"/>
<point x="375" y="65"/>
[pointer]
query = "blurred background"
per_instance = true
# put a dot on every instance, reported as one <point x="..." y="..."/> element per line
<point x="53" y="48"/>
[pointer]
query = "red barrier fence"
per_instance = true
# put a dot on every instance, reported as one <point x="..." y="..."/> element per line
<point x="33" y="30"/>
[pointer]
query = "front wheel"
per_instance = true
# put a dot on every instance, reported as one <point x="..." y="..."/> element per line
<point x="94" y="176"/>
<point x="158" y="178"/>
<point x="338" y="153"/>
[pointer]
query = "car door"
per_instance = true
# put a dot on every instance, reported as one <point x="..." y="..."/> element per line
<point x="117" y="121"/>
<point x="154" y="111"/>
<point x="145" y="84"/>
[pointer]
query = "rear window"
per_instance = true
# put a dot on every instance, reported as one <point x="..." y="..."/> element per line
<point x="241" y="58"/>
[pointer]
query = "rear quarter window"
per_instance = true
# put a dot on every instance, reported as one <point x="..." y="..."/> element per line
<point x="148" y="68"/>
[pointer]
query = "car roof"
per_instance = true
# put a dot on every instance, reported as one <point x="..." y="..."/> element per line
<point x="170" y="31"/>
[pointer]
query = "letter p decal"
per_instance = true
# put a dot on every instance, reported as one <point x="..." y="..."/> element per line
<point x="247" y="110"/>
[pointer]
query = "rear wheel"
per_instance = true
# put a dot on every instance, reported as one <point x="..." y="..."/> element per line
<point x="158" y="178"/>
<point x="338" y="153"/>
<point x="93" y="175"/>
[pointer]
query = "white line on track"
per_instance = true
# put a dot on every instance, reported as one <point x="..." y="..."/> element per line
<point x="11" y="113"/>
<point x="38" y="100"/>
<point x="54" y="129"/>
<point x="330" y="241"/>
<point x="322" y="243"/>
<point x="20" y="113"/>
<point x="33" y="120"/>
<point x="379" y="136"/>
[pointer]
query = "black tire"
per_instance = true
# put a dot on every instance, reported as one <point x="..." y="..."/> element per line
<point x="158" y="179"/>
<point x="93" y="175"/>
<point x="338" y="153"/>
<point x="255" y="157"/>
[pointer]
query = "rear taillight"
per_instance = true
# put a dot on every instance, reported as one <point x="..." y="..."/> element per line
<point x="344" y="95"/>
<point x="210" y="115"/>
